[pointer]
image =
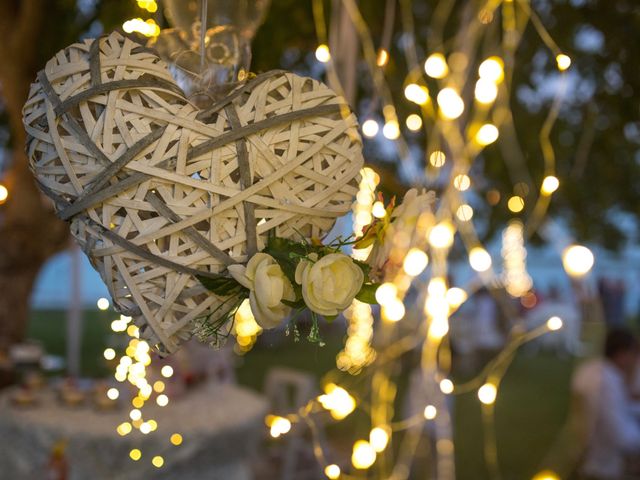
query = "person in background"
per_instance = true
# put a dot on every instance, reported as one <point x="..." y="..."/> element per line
<point x="611" y="425"/>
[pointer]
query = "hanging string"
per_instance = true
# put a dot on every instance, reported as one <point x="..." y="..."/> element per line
<point x="203" y="30"/>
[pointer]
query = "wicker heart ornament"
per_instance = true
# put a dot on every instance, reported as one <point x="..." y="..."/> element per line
<point x="158" y="191"/>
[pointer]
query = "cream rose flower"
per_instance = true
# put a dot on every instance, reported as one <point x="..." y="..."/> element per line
<point x="330" y="284"/>
<point x="268" y="286"/>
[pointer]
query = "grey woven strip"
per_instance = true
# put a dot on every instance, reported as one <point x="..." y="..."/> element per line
<point x="147" y="255"/>
<point x="163" y="209"/>
<point x="252" y="128"/>
<point x="94" y="63"/>
<point x="133" y="151"/>
<point x="242" y="88"/>
<point x="245" y="182"/>
<point x="145" y="81"/>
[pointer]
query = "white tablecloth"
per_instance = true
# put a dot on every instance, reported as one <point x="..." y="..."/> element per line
<point x="221" y="425"/>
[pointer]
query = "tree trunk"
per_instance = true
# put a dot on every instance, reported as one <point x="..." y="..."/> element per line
<point x="29" y="231"/>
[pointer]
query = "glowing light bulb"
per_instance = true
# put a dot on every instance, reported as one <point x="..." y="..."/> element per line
<point x="370" y="128"/>
<point x="176" y="439"/>
<point x="109" y="354"/>
<point x="383" y="57"/>
<point x="515" y="204"/>
<point x="450" y="103"/>
<point x="279" y="426"/>
<point x="379" y="438"/>
<point x="157" y="461"/>
<point x="363" y="455"/>
<point x="554" y="323"/>
<point x="462" y="182"/>
<point x="487" y="134"/>
<point x="437" y="158"/>
<point x="416" y="93"/>
<point x="415" y="262"/>
<point x="446" y="386"/>
<point x="577" y="260"/>
<point x="479" y="259"/>
<point x="378" y="210"/>
<point x="436" y="66"/>
<point x="135" y="454"/>
<point x="332" y="471"/>
<point x="322" y="53"/>
<point x="563" y="61"/>
<point x="456" y="296"/>
<point x="549" y="185"/>
<point x="102" y="303"/>
<point x="464" y="213"/>
<point x="386" y="293"/>
<point x="338" y="401"/>
<point x="393" y="311"/>
<point x="391" y="130"/>
<point x="441" y="235"/>
<point x="430" y="412"/>
<point x="546" y="475"/>
<point x="486" y="91"/>
<point x="492" y="69"/>
<point x="414" y="122"/>
<point x="487" y="393"/>
<point x="4" y="194"/>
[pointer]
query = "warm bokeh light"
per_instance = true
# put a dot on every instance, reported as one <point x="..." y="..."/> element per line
<point x="554" y="323"/>
<point x="436" y="66"/>
<point x="103" y="303"/>
<point x="563" y="61"/>
<point x="370" y="128"/>
<point x="166" y="371"/>
<point x="455" y="297"/>
<point x="464" y="213"/>
<point x="487" y="134"/>
<point x="337" y="400"/>
<point x="379" y="438"/>
<point x="363" y="455"/>
<point x="148" y="28"/>
<point x="546" y="475"/>
<point x="446" y="386"/>
<point x="332" y="471"/>
<point x="437" y="158"/>
<point x="135" y="454"/>
<point x="577" y="260"/>
<point x="4" y="194"/>
<point x="278" y="426"/>
<point x="162" y="400"/>
<point x="492" y="69"/>
<point x="176" y="439"/>
<point x="393" y="311"/>
<point x="383" y="57"/>
<point x="378" y="210"/>
<point x="386" y="293"/>
<point x="109" y="354"/>
<point x="416" y="93"/>
<point x="439" y="325"/>
<point x="391" y="130"/>
<point x="487" y="393"/>
<point x="415" y="262"/>
<point x="549" y="185"/>
<point x="479" y="259"/>
<point x="157" y="461"/>
<point x="322" y="53"/>
<point x="430" y="412"/>
<point x="441" y="235"/>
<point x="113" y="394"/>
<point x="124" y="429"/>
<point x="414" y="122"/>
<point x="450" y="103"/>
<point x="515" y="204"/>
<point x="462" y="182"/>
<point x="486" y="91"/>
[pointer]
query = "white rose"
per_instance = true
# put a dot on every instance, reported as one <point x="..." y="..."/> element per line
<point x="268" y="286"/>
<point x="330" y="284"/>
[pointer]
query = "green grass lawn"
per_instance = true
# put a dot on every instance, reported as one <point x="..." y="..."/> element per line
<point x="530" y="409"/>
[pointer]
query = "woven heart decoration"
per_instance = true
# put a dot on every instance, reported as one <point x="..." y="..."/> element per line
<point x="158" y="191"/>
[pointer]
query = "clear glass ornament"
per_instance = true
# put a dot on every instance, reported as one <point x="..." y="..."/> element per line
<point x="206" y="61"/>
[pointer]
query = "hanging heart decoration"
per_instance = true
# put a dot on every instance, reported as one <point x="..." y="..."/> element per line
<point x="159" y="192"/>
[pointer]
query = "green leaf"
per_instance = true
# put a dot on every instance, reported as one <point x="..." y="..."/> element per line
<point x="330" y="318"/>
<point x="297" y="304"/>
<point x="367" y="293"/>
<point x="223" y="286"/>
